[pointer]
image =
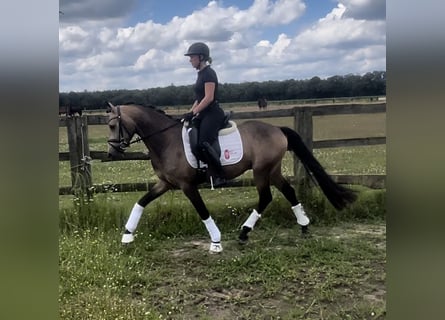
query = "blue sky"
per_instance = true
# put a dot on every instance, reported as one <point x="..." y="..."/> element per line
<point x="136" y="44"/>
<point x="162" y="12"/>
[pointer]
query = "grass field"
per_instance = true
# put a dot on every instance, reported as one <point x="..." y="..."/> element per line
<point x="337" y="272"/>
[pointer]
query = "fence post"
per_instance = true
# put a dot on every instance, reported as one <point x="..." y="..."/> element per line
<point x="304" y="126"/>
<point x="79" y="152"/>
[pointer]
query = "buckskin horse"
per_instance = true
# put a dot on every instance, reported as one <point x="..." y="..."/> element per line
<point x="263" y="147"/>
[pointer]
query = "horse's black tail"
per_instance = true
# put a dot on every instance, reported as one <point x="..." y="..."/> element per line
<point x="338" y="195"/>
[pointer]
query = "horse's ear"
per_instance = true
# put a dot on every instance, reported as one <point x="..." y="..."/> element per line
<point x="110" y="106"/>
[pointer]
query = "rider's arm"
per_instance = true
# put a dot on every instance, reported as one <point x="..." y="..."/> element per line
<point x="209" y="88"/>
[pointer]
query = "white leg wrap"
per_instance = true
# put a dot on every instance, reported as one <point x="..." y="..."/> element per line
<point x="215" y="234"/>
<point x="302" y="219"/>
<point x="253" y="218"/>
<point x="134" y="218"/>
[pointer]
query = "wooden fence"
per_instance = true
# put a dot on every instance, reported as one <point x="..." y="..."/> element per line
<point x="80" y="155"/>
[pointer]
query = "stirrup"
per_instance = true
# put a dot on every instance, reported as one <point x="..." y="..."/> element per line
<point x="217" y="182"/>
<point x="127" y="238"/>
<point x="215" y="247"/>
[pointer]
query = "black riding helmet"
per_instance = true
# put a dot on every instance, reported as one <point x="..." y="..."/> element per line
<point x="199" y="49"/>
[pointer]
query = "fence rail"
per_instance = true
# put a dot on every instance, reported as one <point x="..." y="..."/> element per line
<point x="79" y="153"/>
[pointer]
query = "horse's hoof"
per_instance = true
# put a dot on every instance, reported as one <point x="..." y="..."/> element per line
<point x="127" y="238"/>
<point x="305" y="231"/>
<point x="215" y="247"/>
<point x="243" y="237"/>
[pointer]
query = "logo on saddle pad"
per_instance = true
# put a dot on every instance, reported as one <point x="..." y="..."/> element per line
<point x="229" y="141"/>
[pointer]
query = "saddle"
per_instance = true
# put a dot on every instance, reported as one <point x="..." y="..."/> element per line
<point x="228" y="140"/>
<point x="193" y="135"/>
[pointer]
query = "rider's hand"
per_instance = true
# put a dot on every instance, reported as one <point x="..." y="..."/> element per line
<point x="188" y="116"/>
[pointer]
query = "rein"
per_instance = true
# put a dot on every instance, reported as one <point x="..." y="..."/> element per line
<point x="154" y="133"/>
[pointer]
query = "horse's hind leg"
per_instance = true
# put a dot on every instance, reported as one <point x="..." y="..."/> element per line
<point x="158" y="189"/>
<point x="265" y="197"/>
<point x="289" y="193"/>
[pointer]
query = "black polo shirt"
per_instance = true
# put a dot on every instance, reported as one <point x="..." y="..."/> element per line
<point x="205" y="75"/>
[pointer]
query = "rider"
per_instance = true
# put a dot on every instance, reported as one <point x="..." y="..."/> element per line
<point x="206" y="113"/>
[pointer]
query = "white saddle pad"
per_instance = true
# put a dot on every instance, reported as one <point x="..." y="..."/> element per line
<point x="229" y="141"/>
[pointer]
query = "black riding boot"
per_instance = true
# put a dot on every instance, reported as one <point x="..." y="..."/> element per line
<point x="215" y="168"/>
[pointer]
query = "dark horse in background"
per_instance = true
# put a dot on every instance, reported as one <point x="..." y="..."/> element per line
<point x="264" y="147"/>
<point x="262" y="103"/>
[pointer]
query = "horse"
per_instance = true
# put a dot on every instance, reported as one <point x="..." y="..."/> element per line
<point x="263" y="146"/>
<point x="262" y="103"/>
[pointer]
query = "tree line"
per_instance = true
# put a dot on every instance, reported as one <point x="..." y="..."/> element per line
<point x="350" y="85"/>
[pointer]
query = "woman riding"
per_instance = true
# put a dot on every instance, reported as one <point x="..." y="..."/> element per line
<point x="205" y="113"/>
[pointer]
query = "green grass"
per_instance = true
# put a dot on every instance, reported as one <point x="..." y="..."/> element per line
<point x="353" y="160"/>
<point x="338" y="272"/>
<point x="173" y="215"/>
<point x="335" y="274"/>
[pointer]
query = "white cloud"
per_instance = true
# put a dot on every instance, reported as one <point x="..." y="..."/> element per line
<point x="335" y="31"/>
<point x="146" y="59"/>
<point x="151" y="54"/>
<point x="279" y="46"/>
<point x="73" y="39"/>
<point x="268" y="13"/>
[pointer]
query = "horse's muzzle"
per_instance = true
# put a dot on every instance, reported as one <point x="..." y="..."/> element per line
<point x="116" y="151"/>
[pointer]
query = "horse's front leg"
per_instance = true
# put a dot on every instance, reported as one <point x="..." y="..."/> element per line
<point x="158" y="189"/>
<point x="265" y="197"/>
<point x="195" y="198"/>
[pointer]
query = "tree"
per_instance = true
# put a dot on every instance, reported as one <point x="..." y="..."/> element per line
<point x="350" y="85"/>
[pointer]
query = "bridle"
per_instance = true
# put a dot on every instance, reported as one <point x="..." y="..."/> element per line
<point x="122" y="143"/>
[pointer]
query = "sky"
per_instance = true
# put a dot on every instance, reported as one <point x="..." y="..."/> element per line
<point x="140" y="44"/>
